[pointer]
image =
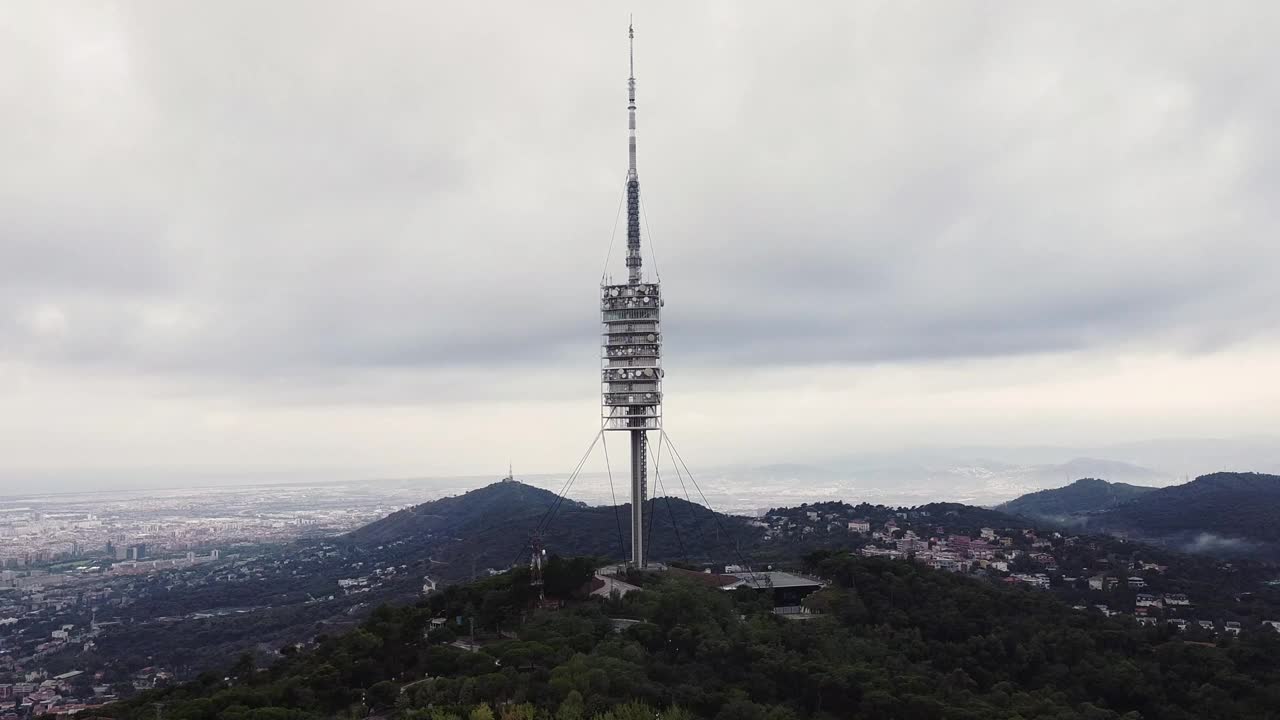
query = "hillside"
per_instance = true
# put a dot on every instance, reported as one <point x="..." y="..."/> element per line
<point x="1220" y="512"/>
<point x="455" y="539"/>
<point x="500" y="501"/>
<point x="491" y="526"/>
<point x="295" y="590"/>
<point x="886" y="640"/>
<point x="1226" y="513"/>
<point x="960" y="517"/>
<point x="1082" y="496"/>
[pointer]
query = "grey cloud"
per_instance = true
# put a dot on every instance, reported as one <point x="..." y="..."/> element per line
<point x="233" y="191"/>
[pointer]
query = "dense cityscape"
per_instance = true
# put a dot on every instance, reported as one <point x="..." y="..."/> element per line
<point x="122" y="532"/>
<point x="74" y="564"/>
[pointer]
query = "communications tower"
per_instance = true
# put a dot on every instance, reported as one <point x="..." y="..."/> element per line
<point x="631" y="353"/>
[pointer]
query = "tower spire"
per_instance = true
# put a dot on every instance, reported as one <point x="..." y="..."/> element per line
<point x="633" y="178"/>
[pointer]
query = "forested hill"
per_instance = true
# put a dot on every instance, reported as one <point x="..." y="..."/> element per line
<point x="1223" y="507"/>
<point x="306" y="587"/>
<point x="1226" y="513"/>
<point x="491" y="526"/>
<point x="888" y="640"/>
<point x="1082" y="496"/>
<point x="498" y="501"/>
<point x="955" y="517"/>
<point x="958" y="516"/>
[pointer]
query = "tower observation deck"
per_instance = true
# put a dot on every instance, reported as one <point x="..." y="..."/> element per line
<point x="631" y="348"/>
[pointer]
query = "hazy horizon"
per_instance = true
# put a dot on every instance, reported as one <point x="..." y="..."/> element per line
<point x="923" y="473"/>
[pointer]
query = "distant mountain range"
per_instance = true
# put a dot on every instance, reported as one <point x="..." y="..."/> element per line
<point x="899" y="480"/>
<point x="1222" y="513"/>
<point x="1170" y="457"/>
<point x="985" y="475"/>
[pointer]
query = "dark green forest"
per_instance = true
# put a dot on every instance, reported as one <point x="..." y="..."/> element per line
<point x="1224" y="514"/>
<point x="894" y="640"/>
<point x="1231" y="504"/>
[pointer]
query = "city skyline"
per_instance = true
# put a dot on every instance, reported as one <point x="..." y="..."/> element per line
<point x="253" y="247"/>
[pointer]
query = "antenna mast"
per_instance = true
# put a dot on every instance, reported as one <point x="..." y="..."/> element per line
<point x="633" y="178"/>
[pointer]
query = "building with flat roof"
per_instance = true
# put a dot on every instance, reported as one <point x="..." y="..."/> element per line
<point x="786" y="589"/>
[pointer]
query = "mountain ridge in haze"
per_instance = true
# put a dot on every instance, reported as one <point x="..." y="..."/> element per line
<point x="1213" y="509"/>
<point x="1222" y="513"/>
<point x="1082" y="496"/>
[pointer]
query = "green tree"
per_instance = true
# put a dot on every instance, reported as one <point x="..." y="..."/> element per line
<point x="382" y="695"/>
<point x="572" y="707"/>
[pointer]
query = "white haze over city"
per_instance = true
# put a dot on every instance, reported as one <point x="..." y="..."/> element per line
<point x="314" y="242"/>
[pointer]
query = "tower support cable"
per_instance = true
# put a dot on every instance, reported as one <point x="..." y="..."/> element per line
<point x="653" y="249"/>
<point x="693" y="512"/>
<point x="622" y="198"/>
<point x="653" y="499"/>
<point x="555" y="506"/>
<point x="675" y="527"/>
<point x="545" y="521"/>
<point x="617" y="512"/>
<point x="736" y="549"/>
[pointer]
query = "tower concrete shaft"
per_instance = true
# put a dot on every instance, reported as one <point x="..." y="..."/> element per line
<point x="638" y="492"/>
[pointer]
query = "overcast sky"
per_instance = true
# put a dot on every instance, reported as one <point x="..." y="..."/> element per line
<point x="366" y="238"/>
